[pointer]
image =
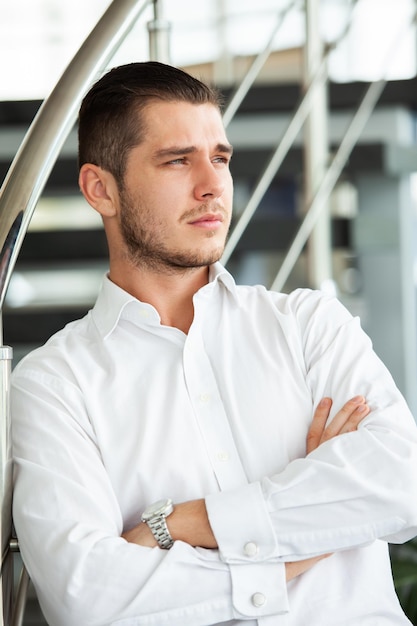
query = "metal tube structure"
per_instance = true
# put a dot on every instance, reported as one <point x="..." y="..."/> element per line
<point x="254" y="69"/>
<point x="6" y="596"/>
<point x="330" y="178"/>
<point x="274" y="164"/>
<point x="284" y="145"/>
<point x="20" y="600"/>
<point x="319" y="248"/>
<point x="55" y="119"/>
<point x="159" y="35"/>
<point x="18" y="198"/>
<point x="332" y="174"/>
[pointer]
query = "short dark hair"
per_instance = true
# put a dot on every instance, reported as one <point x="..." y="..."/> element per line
<point x="109" y="123"/>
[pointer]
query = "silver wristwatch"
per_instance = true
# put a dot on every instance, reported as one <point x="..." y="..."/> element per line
<point x="155" y="516"/>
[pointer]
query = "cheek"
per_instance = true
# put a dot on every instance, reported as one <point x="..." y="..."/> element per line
<point x="164" y="191"/>
<point x="228" y="193"/>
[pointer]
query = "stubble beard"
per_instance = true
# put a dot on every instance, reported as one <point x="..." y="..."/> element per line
<point x="144" y="240"/>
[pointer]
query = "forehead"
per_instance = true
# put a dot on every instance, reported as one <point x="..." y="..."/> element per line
<point x="182" y="123"/>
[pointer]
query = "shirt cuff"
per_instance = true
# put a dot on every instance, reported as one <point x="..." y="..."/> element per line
<point x="258" y="590"/>
<point x="242" y="526"/>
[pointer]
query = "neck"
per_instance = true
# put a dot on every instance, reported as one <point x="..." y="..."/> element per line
<point x="170" y="293"/>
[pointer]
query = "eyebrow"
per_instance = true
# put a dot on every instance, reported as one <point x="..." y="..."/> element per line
<point x="176" y="151"/>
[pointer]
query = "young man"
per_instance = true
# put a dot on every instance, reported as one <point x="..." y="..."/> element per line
<point x="162" y="474"/>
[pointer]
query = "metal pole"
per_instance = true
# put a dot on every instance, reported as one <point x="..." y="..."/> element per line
<point x="223" y="66"/>
<point x="21" y="598"/>
<point x="332" y="174"/>
<point x="18" y="197"/>
<point x="319" y="259"/>
<point x="254" y="69"/>
<point x="274" y="164"/>
<point x="55" y="119"/>
<point x="323" y="193"/>
<point x="159" y="35"/>
<point x="6" y="595"/>
<point x="282" y="149"/>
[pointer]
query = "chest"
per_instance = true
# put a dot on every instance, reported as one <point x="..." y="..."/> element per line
<point x="186" y="416"/>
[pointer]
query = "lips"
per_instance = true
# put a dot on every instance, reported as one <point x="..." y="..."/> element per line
<point x="207" y="218"/>
<point x="209" y="221"/>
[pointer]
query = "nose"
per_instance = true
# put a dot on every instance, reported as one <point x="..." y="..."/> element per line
<point x="210" y="182"/>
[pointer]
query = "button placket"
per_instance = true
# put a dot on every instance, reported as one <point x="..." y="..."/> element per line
<point x="210" y="413"/>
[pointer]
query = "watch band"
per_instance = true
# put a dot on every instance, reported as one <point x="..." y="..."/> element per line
<point x="155" y="516"/>
<point x="160" y="531"/>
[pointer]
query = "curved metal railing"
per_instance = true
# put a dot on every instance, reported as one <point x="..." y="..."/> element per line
<point x="55" y="119"/>
<point x="19" y="195"/>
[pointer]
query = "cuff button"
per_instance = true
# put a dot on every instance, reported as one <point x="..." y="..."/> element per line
<point x="258" y="599"/>
<point x="251" y="548"/>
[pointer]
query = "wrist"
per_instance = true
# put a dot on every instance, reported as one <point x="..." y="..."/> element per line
<point x="189" y="523"/>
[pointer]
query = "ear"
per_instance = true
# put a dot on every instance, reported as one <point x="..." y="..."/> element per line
<point x="99" y="189"/>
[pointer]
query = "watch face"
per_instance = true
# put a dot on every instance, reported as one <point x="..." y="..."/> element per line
<point x="162" y="507"/>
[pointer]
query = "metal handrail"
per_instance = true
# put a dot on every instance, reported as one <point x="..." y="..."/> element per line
<point x="19" y="195"/>
<point x="21" y="598"/>
<point x="332" y="174"/>
<point x="329" y="180"/>
<point x="6" y="591"/>
<point x="251" y="75"/>
<point x="275" y="162"/>
<point x="293" y="128"/>
<point x="33" y="163"/>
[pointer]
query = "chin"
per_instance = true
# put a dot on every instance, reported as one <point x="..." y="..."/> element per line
<point x="212" y="257"/>
<point x="202" y="260"/>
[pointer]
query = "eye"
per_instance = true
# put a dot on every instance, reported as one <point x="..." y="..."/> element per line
<point x="222" y="159"/>
<point x="178" y="161"/>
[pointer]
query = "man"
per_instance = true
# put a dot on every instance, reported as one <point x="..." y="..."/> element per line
<point x="180" y="385"/>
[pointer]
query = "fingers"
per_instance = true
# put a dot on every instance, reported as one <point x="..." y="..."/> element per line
<point x="316" y="430"/>
<point x="346" y="420"/>
<point x="296" y="568"/>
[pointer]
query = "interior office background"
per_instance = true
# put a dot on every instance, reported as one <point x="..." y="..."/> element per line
<point x="373" y="207"/>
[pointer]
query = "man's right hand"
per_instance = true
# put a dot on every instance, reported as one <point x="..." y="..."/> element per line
<point x="345" y="421"/>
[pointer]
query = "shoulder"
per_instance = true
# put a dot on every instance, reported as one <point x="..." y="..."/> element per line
<point x="303" y="304"/>
<point x="54" y="359"/>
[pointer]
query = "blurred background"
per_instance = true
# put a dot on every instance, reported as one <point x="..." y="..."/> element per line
<point x="321" y="106"/>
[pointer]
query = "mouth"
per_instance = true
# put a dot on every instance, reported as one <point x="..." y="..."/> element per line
<point x="208" y="220"/>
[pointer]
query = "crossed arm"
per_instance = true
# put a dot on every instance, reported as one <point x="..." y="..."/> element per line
<point x="189" y="522"/>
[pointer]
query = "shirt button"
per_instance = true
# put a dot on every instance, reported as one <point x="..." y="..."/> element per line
<point x="251" y="548"/>
<point x="205" y="398"/>
<point x="223" y="455"/>
<point x="258" y="599"/>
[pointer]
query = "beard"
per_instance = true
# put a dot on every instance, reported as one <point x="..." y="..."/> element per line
<point x="145" y="238"/>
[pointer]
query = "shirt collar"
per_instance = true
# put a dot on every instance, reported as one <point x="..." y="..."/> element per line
<point x="219" y="274"/>
<point x="113" y="302"/>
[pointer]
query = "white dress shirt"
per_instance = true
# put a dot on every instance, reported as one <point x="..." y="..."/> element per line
<point x="117" y="411"/>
